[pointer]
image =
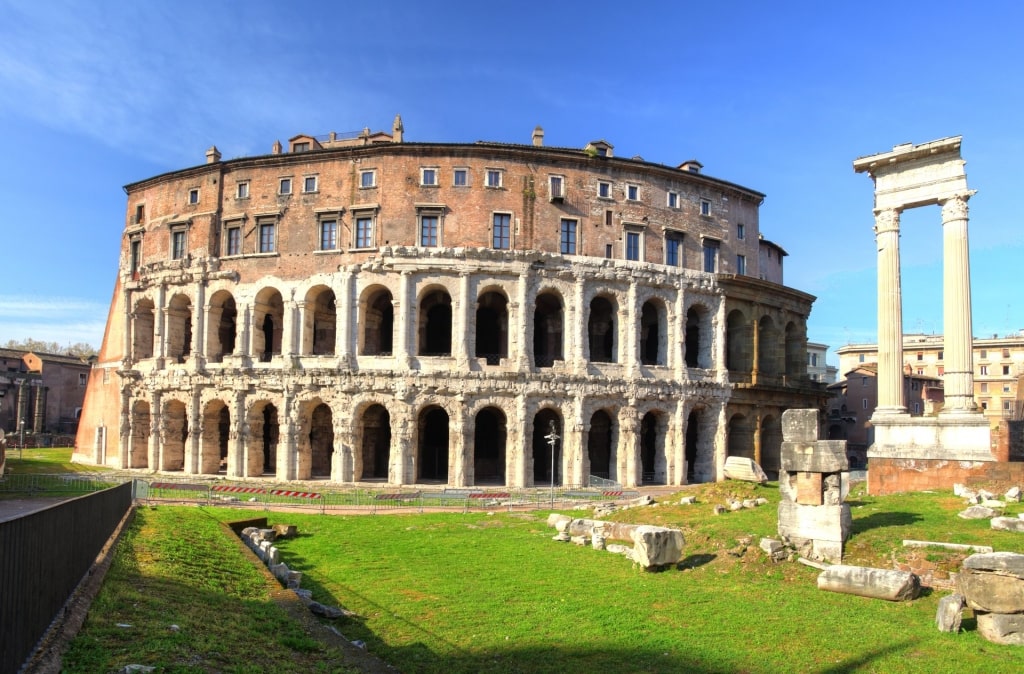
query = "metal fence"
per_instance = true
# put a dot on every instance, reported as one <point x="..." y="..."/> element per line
<point x="45" y="554"/>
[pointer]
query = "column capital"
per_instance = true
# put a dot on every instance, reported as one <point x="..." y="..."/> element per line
<point x="955" y="207"/>
<point x="887" y="220"/>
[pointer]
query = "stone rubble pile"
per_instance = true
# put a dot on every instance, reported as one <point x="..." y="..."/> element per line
<point x="983" y="504"/>
<point x="992" y="585"/>
<point x="653" y="547"/>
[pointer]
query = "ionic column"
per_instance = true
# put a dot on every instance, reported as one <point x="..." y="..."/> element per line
<point x="629" y="322"/>
<point x="516" y="453"/>
<point x="403" y="308"/>
<point x="344" y="312"/>
<point x="238" y="437"/>
<point x="757" y="438"/>
<point x="578" y="334"/>
<point x="291" y="332"/>
<point x="956" y="308"/>
<point x="458" y="448"/>
<point x="160" y="327"/>
<point x="195" y="432"/>
<point x="890" y="314"/>
<point x="462" y="320"/>
<point x="198" y="359"/>
<point x="755" y="358"/>
<point x="628" y="454"/>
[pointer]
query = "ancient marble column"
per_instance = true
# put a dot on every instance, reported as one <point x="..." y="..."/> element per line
<point x="890" y="314"/>
<point x="956" y="308"/>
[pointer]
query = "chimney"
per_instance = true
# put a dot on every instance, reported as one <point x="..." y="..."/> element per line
<point x="212" y="155"/>
<point x="538" y="136"/>
<point x="277" y="147"/>
<point x="397" y="130"/>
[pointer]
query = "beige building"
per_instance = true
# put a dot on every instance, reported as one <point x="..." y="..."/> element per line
<point x="362" y="308"/>
<point x="45" y="391"/>
<point x="817" y="367"/>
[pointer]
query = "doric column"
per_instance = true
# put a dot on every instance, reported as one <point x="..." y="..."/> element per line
<point x="755" y="357"/>
<point x="956" y="308"/>
<point x="459" y="446"/>
<point x="238" y="437"/>
<point x="577" y="334"/>
<point x="155" y="415"/>
<point x="460" y="333"/>
<point x="125" y="436"/>
<point x="39" y="412"/>
<point x="721" y="451"/>
<point x="629" y="327"/>
<point x="517" y="452"/>
<point x="291" y="332"/>
<point x="198" y="358"/>
<point x="160" y="327"/>
<point x="287" y="445"/>
<point x="757" y="437"/>
<point x="345" y="310"/>
<point x="890" y="314"/>
<point x="402" y="313"/>
<point x="629" y="463"/>
<point x="195" y="431"/>
<point x="574" y="447"/>
<point x="403" y="468"/>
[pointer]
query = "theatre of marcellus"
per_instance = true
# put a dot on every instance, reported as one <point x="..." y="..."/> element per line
<point x="360" y="308"/>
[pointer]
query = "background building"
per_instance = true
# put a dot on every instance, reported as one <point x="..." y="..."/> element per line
<point x="45" y="390"/>
<point x="817" y="368"/>
<point x="356" y="307"/>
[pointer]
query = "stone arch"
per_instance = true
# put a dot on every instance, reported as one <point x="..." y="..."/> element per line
<point x="143" y="323"/>
<point x="263" y="437"/>
<point x="653" y="340"/>
<point x="548" y="328"/>
<point x="741" y="436"/>
<point x="377" y="311"/>
<point x="771" y="443"/>
<point x="653" y="450"/>
<point x="173" y="436"/>
<point x="796" y="351"/>
<point x="602" y="333"/>
<point x="374" y="438"/>
<point x="138" y="453"/>
<point x="215" y="438"/>
<point x="179" y="328"/>
<point x="601" y="445"/>
<point x="435" y="322"/>
<point x="433" y="451"/>
<point x="739" y="343"/>
<point x="769" y="347"/>
<point x="222" y="326"/>
<point x="490" y="433"/>
<point x="697" y="338"/>
<point x="541" y="454"/>
<point x="492" y="326"/>
<point x="267" y="324"/>
<point x="320" y="321"/>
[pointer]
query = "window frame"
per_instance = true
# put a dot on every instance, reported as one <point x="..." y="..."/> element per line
<point x="305" y="184"/>
<point x="367" y="237"/>
<point x="363" y="174"/>
<point x="179" y="241"/>
<point x="606" y="187"/>
<point x="705" y="208"/>
<point x="424" y="214"/>
<point x="435" y="174"/>
<point x="709" y="244"/>
<point x="674" y="248"/>
<point x="322" y="225"/>
<point x="242" y="189"/>
<point x="496" y="239"/>
<point x="672" y="200"/>
<point x="632" y="192"/>
<point x="282" y="183"/>
<point x="460" y="171"/>
<point x="741" y="264"/>
<point x="498" y="174"/>
<point x="229" y="227"/>
<point x="741" y="231"/>
<point x="633" y="233"/>
<point x="193" y="196"/>
<point x="263" y="246"/>
<point x="556" y="193"/>
<point x="568" y="235"/>
<point x="134" y="254"/>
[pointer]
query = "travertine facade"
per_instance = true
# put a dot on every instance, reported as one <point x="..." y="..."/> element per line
<point x="364" y="308"/>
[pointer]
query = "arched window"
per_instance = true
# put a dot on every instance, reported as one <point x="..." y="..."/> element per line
<point x="601" y="330"/>
<point x="547" y="329"/>
<point x="435" y="323"/>
<point x="378" y="322"/>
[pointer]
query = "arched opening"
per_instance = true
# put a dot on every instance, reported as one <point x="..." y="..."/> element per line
<point x="213" y="448"/>
<point x="222" y="322"/>
<point x="321" y="440"/>
<point x="692" y="440"/>
<point x="654" y="463"/>
<point x="142" y="330"/>
<point x="771" y="445"/>
<point x="320" y="322"/>
<point x="492" y="327"/>
<point x="175" y="436"/>
<point x="138" y="455"/>
<point x="433" y="445"/>
<point x="652" y="333"/>
<point x="600" y="447"/>
<point x="435" y="322"/>
<point x="698" y="338"/>
<point x="768" y="347"/>
<point x="375" y="451"/>
<point x="268" y="323"/>
<point x="601" y="330"/>
<point x="179" y="328"/>
<point x="796" y="352"/>
<point x="741" y="436"/>
<point x="378" y="322"/>
<point x="739" y="349"/>
<point x="489" y="437"/>
<point x="264" y="432"/>
<point x="546" y="468"/>
<point x="547" y="330"/>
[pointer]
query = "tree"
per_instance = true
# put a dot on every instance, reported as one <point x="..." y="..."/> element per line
<point x="79" y="350"/>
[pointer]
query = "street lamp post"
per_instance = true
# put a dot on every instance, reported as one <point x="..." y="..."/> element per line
<point x="552" y="438"/>
<point x="21" y="442"/>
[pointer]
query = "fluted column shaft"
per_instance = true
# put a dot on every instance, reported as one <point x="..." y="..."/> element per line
<point x="956" y="308"/>
<point x="890" y="314"/>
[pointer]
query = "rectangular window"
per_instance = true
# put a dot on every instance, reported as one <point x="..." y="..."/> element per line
<point x="710" y="255"/>
<point x="193" y="195"/>
<point x="984" y="404"/>
<point x="1006" y="369"/>
<point x="367" y="178"/>
<point x="863" y="403"/>
<point x="285" y="186"/>
<point x="177" y="244"/>
<point x="328" y="234"/>
<point x="672" y="200"/>
<point x="494" y="177"/>
<point x="705" y="207"/>
<point x="268" y="243"/>
<point x="233" y="245"/>
<point x="140" y="214"/>
<point x="941" y="370"/>
<point x="984" y="353"/>
<point x="984" y="387"/>
<point x="428" y="177"/>
<point x="428" y="231"/>
<point x="673" y="246"/>
<point x="136" y="256"/>
<point x="364" y="232"/>
<point x="604" y="190"/>
<point x="608" y="250"/>
<point x="568" y="236"/>
<point x="243" y="190"/>
<point x="633" y="246"/>
<point x="920" y="355"/>
<point x="863" y="381"/>
<point x="741" y="265"/>
<point x="301" y="147"/>
<point x="608" y="218"/>
<point x="1006" y="405"/>
<point x="460" y="177"/>
<point x="1006" y="353"/>
<point x="984" y="370"/>
<point x="917" y="408"/>
<point x="860" y="358"/>
<point x="309" y="184"/>
<point x="741" y="231"/>
<point x="633" y="192"/>
<point x="556" y="185"/>
<point x="82" y="378"/>
<point x="940" y="355"/>
<point x="1006" y="388"/>
<point x="502" y="231"/>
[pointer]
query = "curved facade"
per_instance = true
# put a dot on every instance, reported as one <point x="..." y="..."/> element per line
<point x="367" y="309"/>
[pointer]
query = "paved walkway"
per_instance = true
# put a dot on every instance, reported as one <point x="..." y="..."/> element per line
<point x="16" y="507"/>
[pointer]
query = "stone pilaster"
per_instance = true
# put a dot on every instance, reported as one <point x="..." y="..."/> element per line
<point x="890" y="314"/>
<point x="956" y="308"/>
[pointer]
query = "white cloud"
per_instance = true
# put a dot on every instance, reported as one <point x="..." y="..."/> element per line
<point x="64" y="320"/>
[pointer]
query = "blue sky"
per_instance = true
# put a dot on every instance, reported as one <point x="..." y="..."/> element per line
<point x="779" y="97"/>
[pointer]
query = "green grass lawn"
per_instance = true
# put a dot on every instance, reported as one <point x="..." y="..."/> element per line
<point x="493" y="593"/>
<point x="40" y="460"/>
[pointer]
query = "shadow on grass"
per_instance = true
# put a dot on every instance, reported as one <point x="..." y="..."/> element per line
<point x="884" y="519"/>
<point x="693" y="561"/>
<point x="866" y="659"/>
